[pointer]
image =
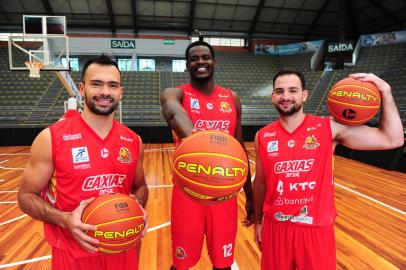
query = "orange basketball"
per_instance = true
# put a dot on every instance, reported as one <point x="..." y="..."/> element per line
<point x="353" y="102"/>
<point x="119" y="220"/>
<point x="210" y="166"/>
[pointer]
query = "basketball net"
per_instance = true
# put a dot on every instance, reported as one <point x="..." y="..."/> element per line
<point x="34" y="68"/>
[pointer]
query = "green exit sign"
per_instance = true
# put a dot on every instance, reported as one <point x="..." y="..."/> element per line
<point x="123" y="44"/>
<point x="169" y="41"/>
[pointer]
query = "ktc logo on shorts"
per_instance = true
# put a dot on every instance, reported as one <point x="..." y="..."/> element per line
<point x="180" y="253"/>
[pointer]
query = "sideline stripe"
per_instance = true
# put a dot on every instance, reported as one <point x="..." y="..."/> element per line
<point x="14" y="154"/>
<point x="159" y="227"/>
<point x="371" y="199"/>
<point x="8" y="191"/>
<point x="49" y="256"/>
<point x="6" y="168"/>
<point x="160" y="149"/>
<point x="160" y="186"/>
<point x="8" y="202"/>
<point x="2" y="180"/>
<point x="234" y="266"/>
<point x="12" y="220"/>
<point x="26" y="261"/>
<point x="3" y="161"/>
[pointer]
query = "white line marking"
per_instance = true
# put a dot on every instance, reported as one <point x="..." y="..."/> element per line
<point x="234" y="266"/>
<point x="371" y="199"/>
<point x="159" y="227"/>
<point x="160" y="149"/>
<point x="19" y="154"/>
<point x="3" y="161"/>
<point x="26" y="261"/>
<point x="8" y="191"/>
<point x="12" y="220"/>
<point x="160" y="186"/>
<point x="2" y="180"/>
<point x="8" y="202"/>
<point x="7" y="168"/>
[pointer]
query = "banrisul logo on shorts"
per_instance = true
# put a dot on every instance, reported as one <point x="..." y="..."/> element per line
<point x="80" y="154"/>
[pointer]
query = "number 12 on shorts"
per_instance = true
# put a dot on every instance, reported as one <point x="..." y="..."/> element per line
<point x="228" y="250"/>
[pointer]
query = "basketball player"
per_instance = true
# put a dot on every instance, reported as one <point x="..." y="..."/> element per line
<point x="294" y="187"/>
<point x="77" y="159"/>
<point x="203" y="105"/>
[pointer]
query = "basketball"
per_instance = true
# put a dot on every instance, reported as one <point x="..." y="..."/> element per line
<point x="353" y="102"/>
<point x="119" y="220"/>
<point x="210" y="166"/>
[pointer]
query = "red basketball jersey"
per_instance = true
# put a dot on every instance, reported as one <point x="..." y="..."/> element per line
<point x="298" y="169"/>
<point x="87" y="166"/>
<point x="214" y="112"/>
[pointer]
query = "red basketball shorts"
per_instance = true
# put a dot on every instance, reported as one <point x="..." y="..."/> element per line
<point x="288" y="247"/>
<point x="191" y="221"/>
<point x="62" y="260"/>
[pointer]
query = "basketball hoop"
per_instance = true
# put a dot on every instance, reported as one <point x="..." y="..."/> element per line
<point x="34" y="68"/>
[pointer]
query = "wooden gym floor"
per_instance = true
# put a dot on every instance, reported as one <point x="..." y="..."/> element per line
<point x="370" y="227"/>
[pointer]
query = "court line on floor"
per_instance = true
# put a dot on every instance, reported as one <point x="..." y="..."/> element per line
<point x="26" y="261"/>
<point x="8" y="191"/>
<point x="3" y="161"/>
<point x="12" y="220"/>
<point x="234" y="266"/>
<point x="15" y="154"/>
<point x="9" y="168"/>
<point x="160" y="149"/>
<point x="371" y="199"/>
<point x="159" y="186"/>
<point x="49" y="256"/>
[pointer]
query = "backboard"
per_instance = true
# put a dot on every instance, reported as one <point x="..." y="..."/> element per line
<point x="51" y="51"/>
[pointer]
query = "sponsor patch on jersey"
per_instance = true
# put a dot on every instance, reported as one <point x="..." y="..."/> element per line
<point x="311" y="142"/>
<point x="180" y="253"/>
<point x="225" y="107"/>
<point x="71" y="137"/>
<point x="104" y="153"/>
<point x="124" y="155"/>
<point x="127" y="139"/>
<point x="212" y="124"/>
<point x="291" y="143"/>
<point x="103" y="182"/>
<point x="209" y="106"/>
<point x="80" y="154"/>
<point x="223" y="96"/>
<point x="272" y="146"/>
<point x="269" y="134"/>
<point x="194" y="104"/>
<point x="85" y="166"/>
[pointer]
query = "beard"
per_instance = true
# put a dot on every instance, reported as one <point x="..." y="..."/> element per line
<point x="91" y="104"/>
<point x="295" y="108"/>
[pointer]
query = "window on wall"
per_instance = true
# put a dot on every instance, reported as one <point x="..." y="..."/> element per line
<point x="124" y="64"/>
<point x="146" y="64"/>
<point x="74" y="63"/>
<point x="178" y="65"/>
<point x="216" y="41"/>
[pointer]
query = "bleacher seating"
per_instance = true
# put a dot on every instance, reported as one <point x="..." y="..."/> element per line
<point x="38" y="102"/>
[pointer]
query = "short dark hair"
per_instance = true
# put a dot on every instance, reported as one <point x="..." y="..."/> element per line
<point x="283" y="72"/>
<point x="103" y="60"/>
<point x="199" y="43"/>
